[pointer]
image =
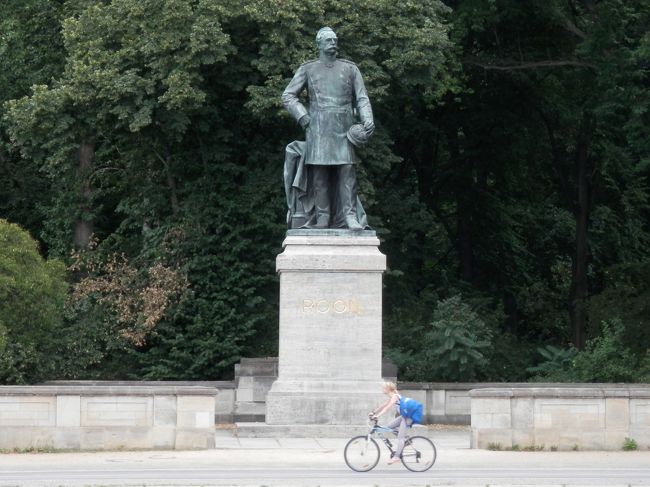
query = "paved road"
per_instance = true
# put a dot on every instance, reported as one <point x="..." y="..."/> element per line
<point x="311" y="462"/>
<point x="293" y="476"/>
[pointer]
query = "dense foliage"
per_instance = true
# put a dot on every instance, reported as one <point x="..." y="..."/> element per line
<point x="32" y="294"/>
<point x="141" y="142"/>
<point x="453" y="347"/>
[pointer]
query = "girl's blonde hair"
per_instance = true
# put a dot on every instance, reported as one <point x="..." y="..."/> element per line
<point x="390" y="386"/>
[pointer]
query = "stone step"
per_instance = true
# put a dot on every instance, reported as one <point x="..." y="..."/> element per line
<point x="250" y="408"/>
<point x="257" y="367"/>
<point x="250" y="412"/>
<point x="263" y="430"/>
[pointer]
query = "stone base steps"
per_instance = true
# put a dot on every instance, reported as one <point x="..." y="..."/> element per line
<point x="263" y="430"/>
<point x="250" y="412"/>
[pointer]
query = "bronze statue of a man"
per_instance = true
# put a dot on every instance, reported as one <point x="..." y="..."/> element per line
<point x="337" y="96"/>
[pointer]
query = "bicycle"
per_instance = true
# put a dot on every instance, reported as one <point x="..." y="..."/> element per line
<point x="362" y="452"/>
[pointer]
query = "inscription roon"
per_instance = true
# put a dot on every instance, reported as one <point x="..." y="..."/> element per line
<point x="338" y="306"/>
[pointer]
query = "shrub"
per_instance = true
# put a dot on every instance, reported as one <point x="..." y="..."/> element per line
<point x="452" y="348"/>
<point x="604" y="359"/>
<point x="32" y="297"/>
<point x="557" y="362"/>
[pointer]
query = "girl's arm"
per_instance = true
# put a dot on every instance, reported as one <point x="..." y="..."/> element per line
<point x="386" y="406"/>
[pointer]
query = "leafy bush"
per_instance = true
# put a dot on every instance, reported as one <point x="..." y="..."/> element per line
<point x="604" y="359"/>
<point x="557" y="361"/>
<point x="626" y="296"/>
<point x="32" y="297"/>
<point x="452" y="347"/>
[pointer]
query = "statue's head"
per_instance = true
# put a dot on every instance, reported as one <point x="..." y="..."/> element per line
<point x="327" y="41"/>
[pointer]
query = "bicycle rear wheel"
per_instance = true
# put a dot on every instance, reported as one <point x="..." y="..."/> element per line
<point x="361" y="453"/>
<point x="419" y="454"/>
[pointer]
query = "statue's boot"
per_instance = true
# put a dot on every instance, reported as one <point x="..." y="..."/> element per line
<point x="322" y="220"/>
<point x="347" y="195"/>
<point x="352" y="223"/>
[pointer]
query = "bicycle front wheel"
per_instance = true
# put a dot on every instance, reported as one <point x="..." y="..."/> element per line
<point x="361" y="453"/>
<point x="419" y="454"/>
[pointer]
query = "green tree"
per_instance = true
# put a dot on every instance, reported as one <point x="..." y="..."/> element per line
<point x="122" y="127"/>
<point x="32" y="297"/>
<point x="132" y="69"/>
<point x="31" y="52"/>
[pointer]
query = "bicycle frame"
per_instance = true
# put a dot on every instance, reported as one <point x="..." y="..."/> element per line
<point x="378" y="432"/>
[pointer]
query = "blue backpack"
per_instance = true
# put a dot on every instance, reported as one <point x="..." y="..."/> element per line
<point x="410" y="409"/>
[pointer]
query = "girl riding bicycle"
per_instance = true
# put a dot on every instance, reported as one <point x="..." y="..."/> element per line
<point x="400" y="422"/>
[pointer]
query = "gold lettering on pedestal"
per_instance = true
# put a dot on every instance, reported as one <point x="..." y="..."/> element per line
<point x="337" y="306"/>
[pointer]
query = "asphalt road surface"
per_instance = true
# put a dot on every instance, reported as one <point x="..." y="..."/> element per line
<point x="288" y="476"/>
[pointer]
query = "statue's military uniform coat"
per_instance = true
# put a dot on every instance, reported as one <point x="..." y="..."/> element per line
<point x="334" y="90"/>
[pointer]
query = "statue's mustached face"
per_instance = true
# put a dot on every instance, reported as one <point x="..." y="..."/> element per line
<point x="328" y="44"/>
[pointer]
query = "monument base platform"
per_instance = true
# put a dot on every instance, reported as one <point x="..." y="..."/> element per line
<point x="322" y="402"/>
<point x="263" y="430"/>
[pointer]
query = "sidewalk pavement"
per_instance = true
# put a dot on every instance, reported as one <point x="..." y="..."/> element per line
<point x="456" y="438"/>
<point x="283" y="462"/>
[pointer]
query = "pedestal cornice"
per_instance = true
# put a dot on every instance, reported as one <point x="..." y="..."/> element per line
<point x="331" y="251"/>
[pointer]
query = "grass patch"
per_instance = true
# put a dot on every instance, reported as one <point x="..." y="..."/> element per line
<point x="629" y="444"/>
<point x="31" y="450"/>
<point x="494" y="446"/>
<point x="533" y="448"/>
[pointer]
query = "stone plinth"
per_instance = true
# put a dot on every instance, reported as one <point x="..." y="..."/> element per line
<point x="330" y="328"/>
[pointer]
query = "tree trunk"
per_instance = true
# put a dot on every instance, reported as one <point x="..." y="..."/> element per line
<point x="171" y="183"/>
<point x="579" y="283"/>
<point x="464" y="184"/>
<point x="83" y="227"/>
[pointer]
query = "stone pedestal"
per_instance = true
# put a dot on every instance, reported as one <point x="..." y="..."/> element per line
<point x="330" y="329"/>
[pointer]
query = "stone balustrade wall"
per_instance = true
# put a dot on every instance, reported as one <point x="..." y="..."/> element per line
<point x="584" y="417"/>
<point x="182" y="415"/>
<point x="107" y="417"/>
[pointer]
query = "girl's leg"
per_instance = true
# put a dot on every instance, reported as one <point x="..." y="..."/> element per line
<point x="394" y="423"/>
<point x="401" y="434"/>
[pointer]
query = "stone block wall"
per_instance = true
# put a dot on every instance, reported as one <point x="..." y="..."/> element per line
<point x="572" y="417"/>
<point x="98" y="417"/>
<point x="444" y="402"/>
